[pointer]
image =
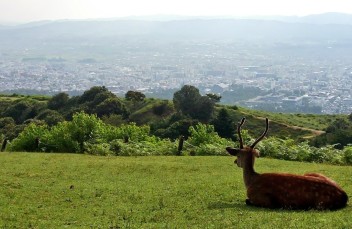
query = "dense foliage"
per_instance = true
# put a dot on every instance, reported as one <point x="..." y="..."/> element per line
<point x="89" y="134"/>
<point x="287" y="149"/>
<point x="99" y="122"/>
<point x="338" y="133"/>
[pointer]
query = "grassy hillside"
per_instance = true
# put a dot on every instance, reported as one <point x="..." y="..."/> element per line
<point x="308" y="121"/>
<point x="80" y="191"/>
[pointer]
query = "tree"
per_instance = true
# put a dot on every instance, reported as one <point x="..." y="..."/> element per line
<point x="216" y="98"/>
<point x="100" y="97"/>
<point x="204" y="109"/>
<point x="189" y="101"/>
<point x="162" y="108"/>
<point x="51" y="117"/>
<point x="58" y="101"/>
<point x="134" y="96"/>
<point x="8" y="127"/>
<point x="22" y="110"/>
<point x="111" y="106"/>
<point x="90" y="94"/>
<point x="113" y="119"/>
<point x="176" y="129"/>
<point x="223" y="124"/>
<point x="338" y="133"/>
<point x="185" y="99"/>
<point x="339" y="124"/>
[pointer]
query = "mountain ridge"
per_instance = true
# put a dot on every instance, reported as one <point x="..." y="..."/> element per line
<point x="197" y="28"/>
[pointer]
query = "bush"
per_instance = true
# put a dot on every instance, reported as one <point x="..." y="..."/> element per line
<point x="202" y="134"/>
<point x="288" y="149"/>
<point x="145" y="148"/>
<point x="347" y="155"/>
<point x="209" y="150"/>
<point x="27" y="139"/>
<point x="116" y="146"/>
<point x="101" y="149"/>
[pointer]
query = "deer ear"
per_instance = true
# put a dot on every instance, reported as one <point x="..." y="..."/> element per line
<point x="232" y="151"/>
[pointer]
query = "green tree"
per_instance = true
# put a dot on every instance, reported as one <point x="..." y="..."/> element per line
<point x="338" y="133"/>
<point x="58" y="101"/>
<point x="189" y="101"/>
<point x="94" y="97"/>
<point x="89" y="95"/>
<point x="216" y="98"/>
<point x="350" y="117"/>
<point x="100" y="98"/>
<point x="23" y="110"/>
<point x="185" y="99"/>
<point x="51" y="117"/>
<point x="161" y="108"/>
<point x="28" y="138"/>
<point x="111" y="106"/>
<point x="113" y="119"/>
<point x="72" y="136"/>
<point x="204" y="109"/>
<point x="134" y="96"/>
<point x="224" y="125"/>
<point x="8" y="127"/>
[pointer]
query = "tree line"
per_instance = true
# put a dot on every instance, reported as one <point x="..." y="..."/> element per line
<point x="165" y="119"/>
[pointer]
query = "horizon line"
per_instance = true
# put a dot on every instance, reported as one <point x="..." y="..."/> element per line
<point x="166" y="17"/>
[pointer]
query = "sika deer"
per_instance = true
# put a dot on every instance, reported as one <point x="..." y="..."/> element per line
<point x="280" y="190"/>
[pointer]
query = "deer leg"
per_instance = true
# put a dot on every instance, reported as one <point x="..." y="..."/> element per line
<point x="263" y="200"/>
<point x="248" y="202"/>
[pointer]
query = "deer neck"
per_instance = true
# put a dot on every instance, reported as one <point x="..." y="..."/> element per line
<point x="248" y="169"/>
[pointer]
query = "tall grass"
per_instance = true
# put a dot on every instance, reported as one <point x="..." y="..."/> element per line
<point x="82" y="191"/>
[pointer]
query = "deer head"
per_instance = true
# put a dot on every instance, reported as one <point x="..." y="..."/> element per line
<point x="282" y="190"/>
<point x="246" y="151"/>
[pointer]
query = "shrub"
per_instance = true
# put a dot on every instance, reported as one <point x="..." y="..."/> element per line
<point x="146" y="148"/>
<point x="101" y="149"/>
<point x="209" y="150"/>
<point x="347" y="155"/>
<point x="288" y="149"/>
<point x="26" y="141"/>
<point x="116" y="146"/>
<point x="202" y="134"/>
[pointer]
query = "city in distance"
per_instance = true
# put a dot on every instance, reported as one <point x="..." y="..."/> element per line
<point x="283" y="64"/>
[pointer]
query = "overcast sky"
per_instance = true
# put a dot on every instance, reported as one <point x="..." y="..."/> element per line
<point x="34" y="10"/>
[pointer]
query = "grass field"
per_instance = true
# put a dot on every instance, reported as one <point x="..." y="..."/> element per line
<point x="81" y="191"/>
<point x="309" y="121"/>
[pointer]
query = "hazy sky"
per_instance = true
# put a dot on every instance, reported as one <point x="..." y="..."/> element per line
<point x="33" y="10"/>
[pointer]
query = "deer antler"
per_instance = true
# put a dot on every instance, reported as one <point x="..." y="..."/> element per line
<point x="239" y="125"/>
<point x="263" y="134"/>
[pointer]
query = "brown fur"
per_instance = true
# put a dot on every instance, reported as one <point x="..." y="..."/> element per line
<point x="289" y="191"/>
<point x="278" y="190"/>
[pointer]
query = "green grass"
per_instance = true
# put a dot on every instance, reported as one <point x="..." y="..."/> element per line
<point x="310" y="121"/>
<point x="81" y="191"/>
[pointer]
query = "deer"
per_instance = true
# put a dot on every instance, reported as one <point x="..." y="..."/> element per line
<point x="283" y="190"/>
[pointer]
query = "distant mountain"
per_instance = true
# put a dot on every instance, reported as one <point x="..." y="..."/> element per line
<point x="3" y="27"/>
<point x="315" y="28"/>
<point x="328" y="18"/>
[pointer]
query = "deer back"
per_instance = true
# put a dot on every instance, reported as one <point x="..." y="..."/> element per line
<point x="277" y="190"/>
